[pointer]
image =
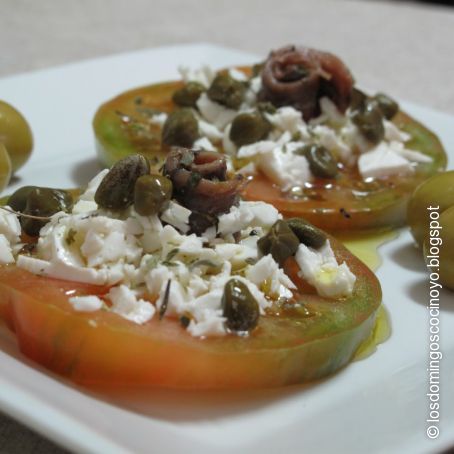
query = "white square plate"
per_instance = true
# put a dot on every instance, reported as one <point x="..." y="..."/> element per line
<point x="375" y="405"/>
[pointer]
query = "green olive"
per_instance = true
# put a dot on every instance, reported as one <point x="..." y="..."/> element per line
<point x="227" y="91"/>
<point x="15" y="134"/>
<point x="18" y="199"/>
<point x="152" y="194"/>
<point x="321" y="162"/>
<point x="180" y="129"/>
<point x="249" y="127"/>
<point x="188" y="95"/>
<point x="239" y="306"/>
<point x="44" y="202"/>
<point x="307" y="233"/>
<point x="437" y="191"/>
<point x="116" y="191"/>
<point x="5" y="167"/>
<point x="369" y="120"/>
<point x="280" y="242"/>
<point x="439" y="250"/>
<point x="387" y="105"/>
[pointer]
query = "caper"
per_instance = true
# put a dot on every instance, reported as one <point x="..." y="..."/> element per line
<point x="239" y="306"/>
<point x="249" y="127"/>
<point x="18" y="199"/>
<point x="116" y="191"/>
<point x="358" y="99"/>
<point x="152" y="194"/>
<point x="280" y="242"/>
<point x="43" y="202"/>
<point x="321" y="162"/>
<point x="180" y="129"/>
<point x="188" y="95"/>
<point x="387" y="105"/>
<point x="226" y="91"/>
<point x="307" y="233"/>
<point x="266" y="107"/>
<point x="369" y="121"/>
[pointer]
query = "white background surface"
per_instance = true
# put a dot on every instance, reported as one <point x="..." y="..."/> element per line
<point x="375" y="405"/>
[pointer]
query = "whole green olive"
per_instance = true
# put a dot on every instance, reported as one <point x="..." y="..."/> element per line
<point x="5" y="167"/>
<point x="180" y="129"/>
<point x="15" y="134"/>
<point x="439" y="250"/>
<point x="43" y="202"/>
<point x="18" y="199"/>
<point x="152" y="194"/>
<point x="227" y="91"/>
<point x="387" y="105"/>
<point x="369" y="120"/>
<point x="188" y="95"/>
<point x="437" y="191"/>
<point x="280" y="242"/>
<point x="321" y="162"/>
<point x="249" y="127"/>
<point x="239" y="306"/>
<point x="116" y="191"/>
<point x="307" y="233"/>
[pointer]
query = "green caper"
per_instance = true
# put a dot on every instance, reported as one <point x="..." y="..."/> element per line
<point x="116" y="191"/>
<point x="321" y="162"/>
<point x="239" y="306"/>
<point x="307" y="233"/>
<point x="266" y="107"/>
<point x="18" y="199"/>
<point x="180" y="129"/>
<point x="387" y="105"/>
<point x="280" y="242"/>
<point x="369" y="120"/>
<point x="152" y="194"/>
<point x="43" y="202"/>
<point x="227" y="91"/>
<point x="188" y="95"/>
<point x="248" y="127"/>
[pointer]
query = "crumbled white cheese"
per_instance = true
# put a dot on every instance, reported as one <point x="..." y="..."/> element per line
<point x="203" y="144"/>
<point x="328" y="138"/>
<point x="392" y="132"/>
<point x="288" y="119"/>
<point x="203" y="75"/>
<point x="237" y="75"/>
<point x="88" y="303"/>
<point x="383" y="161"/>
<point x="126" y="304"/>
<point x="9" y="225"/>
<point x="256" y="148"/>
<point x="6" y="254"/>
<point x="320" y="269"/>
<point x="158" y="119"/>
<point x="177" y="215"/>
<point x="228" y="146"/>
<point x="210" y="131"/>
<point x="214" y="112"/>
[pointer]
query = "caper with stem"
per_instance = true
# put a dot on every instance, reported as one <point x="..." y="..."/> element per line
<point x="239" y="307"/>
<point x="116" y="191"/>
<point x="188" y="95"/>
<point x="43" y="202"/>
<point x="152" y="194"/>
<point x="280" y="242"/>
<point x="180" y="129"/>
<point x="227" y="91"/>
<point x="249" y="127"/>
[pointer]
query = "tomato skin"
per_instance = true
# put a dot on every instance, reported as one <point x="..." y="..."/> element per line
<point x="101" y="349"/>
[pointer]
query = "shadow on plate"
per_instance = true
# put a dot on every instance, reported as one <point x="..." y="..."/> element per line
<point x="410" y="257"/>
<point x="84" y="171"/>
<point x="419" y="292"/>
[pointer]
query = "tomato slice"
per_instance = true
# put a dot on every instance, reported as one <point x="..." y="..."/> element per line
<point x="293" y="343"/>
<point x="121" y="128"/>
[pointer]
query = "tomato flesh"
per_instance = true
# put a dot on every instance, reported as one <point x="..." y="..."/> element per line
<point x="340" y="204"/>
<point x="293" y="343"/>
